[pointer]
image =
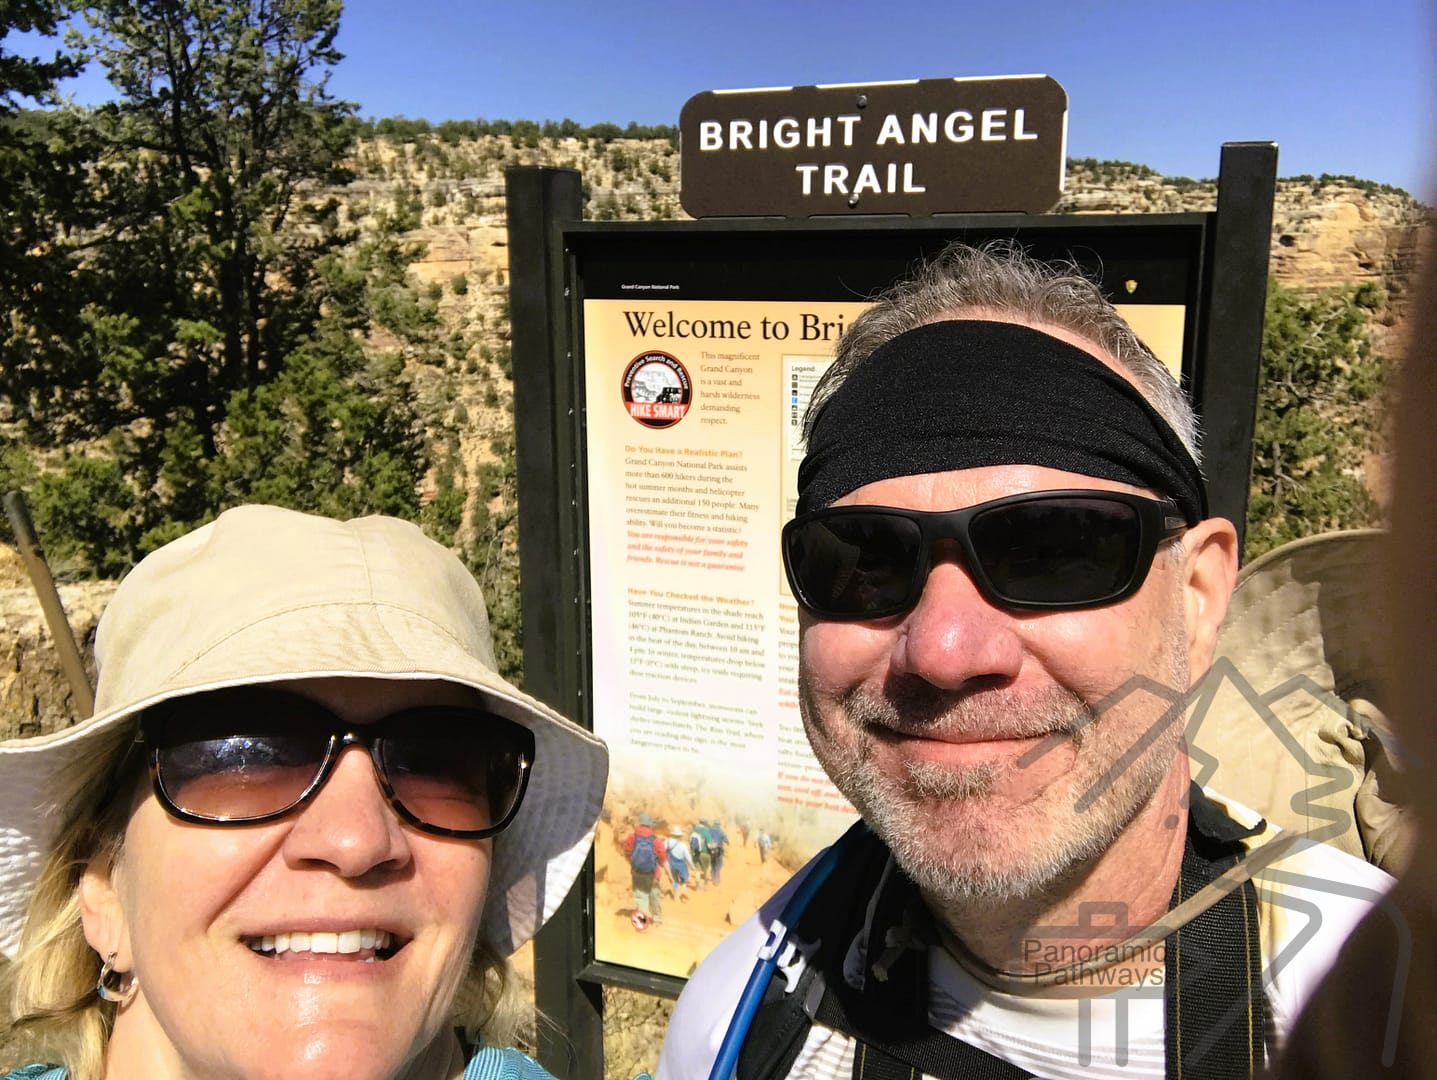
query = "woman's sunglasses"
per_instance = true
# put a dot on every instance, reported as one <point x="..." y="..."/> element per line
<point x="251" y="754"/>
<point x="1041" y="551"/>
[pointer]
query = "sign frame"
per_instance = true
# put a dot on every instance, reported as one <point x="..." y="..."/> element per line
<point x="552" y="251"/>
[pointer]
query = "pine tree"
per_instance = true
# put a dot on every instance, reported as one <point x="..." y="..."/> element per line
<point x="43" y="170"/>
<point x="224" y="124"/>
<point x="213" y="356"/>
<point x="1316" y="415"/>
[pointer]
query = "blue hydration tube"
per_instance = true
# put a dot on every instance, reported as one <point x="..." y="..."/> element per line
<point x="758" y="979"/>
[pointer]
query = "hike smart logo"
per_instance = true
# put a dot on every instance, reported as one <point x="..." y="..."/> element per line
<point x="657" y="389"/>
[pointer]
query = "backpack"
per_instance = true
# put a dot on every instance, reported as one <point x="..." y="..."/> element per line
<point x="696" y="844"/>
<point x="889" y="1017"/>
<point x="643" y="859"/>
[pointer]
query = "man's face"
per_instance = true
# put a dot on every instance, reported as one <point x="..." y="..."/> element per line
<point x="995" y="750"/>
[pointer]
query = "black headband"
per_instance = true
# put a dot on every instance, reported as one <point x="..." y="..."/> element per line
<point x="964" y="393"/>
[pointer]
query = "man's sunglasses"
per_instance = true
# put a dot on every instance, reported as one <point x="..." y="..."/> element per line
<point x="251" y="754"/>
<point x="1040" y="551"/>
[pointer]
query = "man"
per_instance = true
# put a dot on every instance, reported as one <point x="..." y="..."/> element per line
<point x="718" y="844"/>
<point x="702" y="860"/>
<point x="1007" y="581"/>
<point x="646" y="854"/>
<point x="678" y="862"/>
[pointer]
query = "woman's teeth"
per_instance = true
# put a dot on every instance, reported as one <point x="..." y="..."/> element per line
<point x="323" y="941"/>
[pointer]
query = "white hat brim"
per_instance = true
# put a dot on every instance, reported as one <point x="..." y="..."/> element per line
<point x="264" y="594"/>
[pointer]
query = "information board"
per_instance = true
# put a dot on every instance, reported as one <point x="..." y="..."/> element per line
<point x="695" y="375"/>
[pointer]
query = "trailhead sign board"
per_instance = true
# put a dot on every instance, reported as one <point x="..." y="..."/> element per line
<point x="661" y="372"/>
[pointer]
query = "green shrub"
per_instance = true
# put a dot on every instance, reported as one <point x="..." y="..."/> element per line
<point x="442" y="517"/>
<point x="1319" y="403"/>
<point x="408" y="209"/>
<point x="86" y="514"/>
<point x="493" y="554"/>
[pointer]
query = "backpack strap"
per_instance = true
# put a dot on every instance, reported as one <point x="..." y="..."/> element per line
<point x="823" y="931"/>
<point x="880" y="1056"/>
<point x="1216" y="1012"/>
<point x="889" y="1017"/>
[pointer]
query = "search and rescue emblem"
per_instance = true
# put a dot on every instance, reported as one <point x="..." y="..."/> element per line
<point x="657" y="389"/>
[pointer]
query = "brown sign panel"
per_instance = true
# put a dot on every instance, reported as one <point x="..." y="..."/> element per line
<point x="928" y="146"/>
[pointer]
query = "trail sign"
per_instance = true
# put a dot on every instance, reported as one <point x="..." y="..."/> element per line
<point x="922" y="147"/>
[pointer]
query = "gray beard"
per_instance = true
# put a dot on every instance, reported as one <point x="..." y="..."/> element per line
<point x="930" y="780"/>
<point x="895" y="805"/>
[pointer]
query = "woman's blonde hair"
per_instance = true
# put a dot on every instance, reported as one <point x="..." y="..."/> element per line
<point x="48" y="1005"/>
<point x="48" y="992"/>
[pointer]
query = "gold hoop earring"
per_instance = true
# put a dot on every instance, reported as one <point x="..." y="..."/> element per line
<point x="112" y="985"/>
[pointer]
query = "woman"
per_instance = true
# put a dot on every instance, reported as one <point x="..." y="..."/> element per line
<point x="306" y="814"/>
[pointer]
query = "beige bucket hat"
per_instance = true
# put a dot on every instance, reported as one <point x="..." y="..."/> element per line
<point x="1294" y="724"/>
<point x="263" y="594"/>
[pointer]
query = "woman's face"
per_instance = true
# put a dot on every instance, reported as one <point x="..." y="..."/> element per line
<point x="188" y="905"/>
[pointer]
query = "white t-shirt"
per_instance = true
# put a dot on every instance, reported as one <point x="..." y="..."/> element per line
<point x="1309" y="900"/>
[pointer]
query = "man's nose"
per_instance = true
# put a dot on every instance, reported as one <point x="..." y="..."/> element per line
<point x="955" y="635"/>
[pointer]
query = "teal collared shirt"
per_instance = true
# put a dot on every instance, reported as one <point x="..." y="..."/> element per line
<point x="492" y="1063"/>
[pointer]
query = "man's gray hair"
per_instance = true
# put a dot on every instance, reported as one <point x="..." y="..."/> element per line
<point x="1002" y="279"/>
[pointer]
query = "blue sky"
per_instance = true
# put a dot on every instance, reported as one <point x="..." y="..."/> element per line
<point x="1341" y="87"/>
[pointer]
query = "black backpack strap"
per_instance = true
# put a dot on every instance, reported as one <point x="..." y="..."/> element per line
<point x="1217" y="1012"/>
<point x="869" y="1065"/>
<point x="889" y="1015"/>
<point x="880" y="1056"/>
<point x="779" y="1029"/>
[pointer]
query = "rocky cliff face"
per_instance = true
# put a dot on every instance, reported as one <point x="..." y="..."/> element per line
<point x="1326" y="232"/>
<point x="34" y="697"/>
